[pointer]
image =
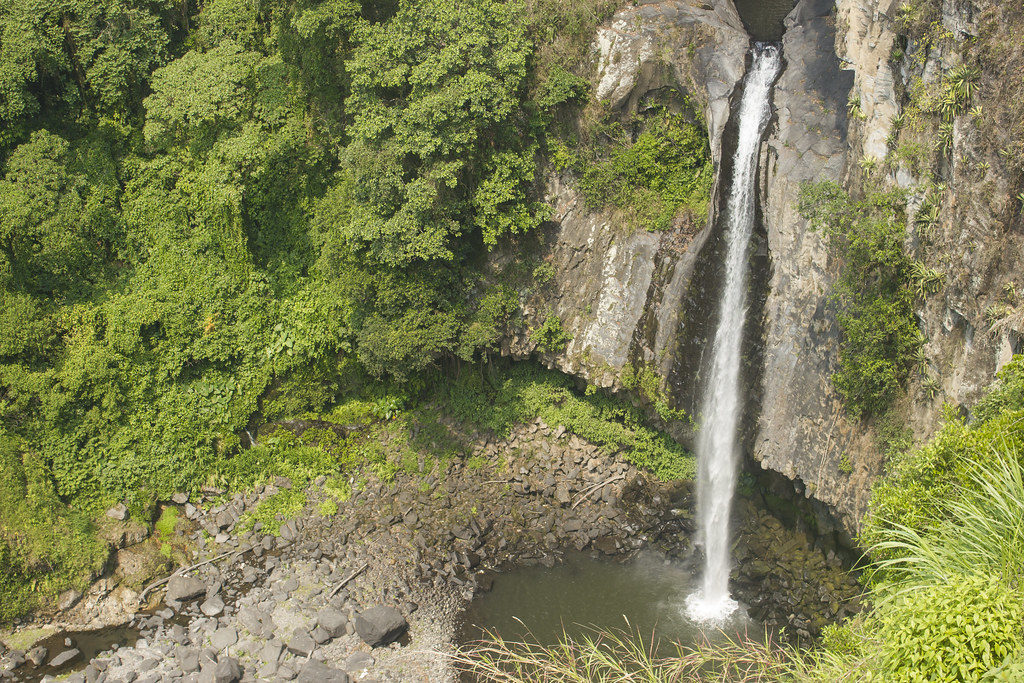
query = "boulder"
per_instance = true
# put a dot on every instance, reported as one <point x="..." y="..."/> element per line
<point x="359" y="662"/>
<point x="68" y="599"/>
<point x="333" y="621"/>
<point x="301" y="644"/>
<point x="320" y="635"/>
<point x="227" y="670"/>
<point x="212" y="606"/>
<point x="64" y="657"/>
<point x="271" y="651"/>
<point x="223" y="638"/>
<point x="224" y="519"/>
<point x="380" y="625"/>
<point x="184" y="588"/>
<point x="37" y="655"/>
<point x="188" y="659"/>
<point x="118" y="512"/>
<point x="15" y="658"/>
<point x="315" y="672"/>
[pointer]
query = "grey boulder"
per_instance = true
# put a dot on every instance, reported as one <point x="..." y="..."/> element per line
<point x="380" y="625"/>
<point x="227" y="670"/>
<point x="184" y="588"/>
<point x="223" y="638"/>
<point x="333" y="621"/>
<point x="315" y="672"/>
<point x="212" y="606"/>
<point x="64" y="657"/>
<point x="301" y="644"/>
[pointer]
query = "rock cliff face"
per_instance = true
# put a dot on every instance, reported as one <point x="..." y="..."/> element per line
<point x="618" y="292"/>
<point x="622" y="295"/>
<point x="802" y="429"/>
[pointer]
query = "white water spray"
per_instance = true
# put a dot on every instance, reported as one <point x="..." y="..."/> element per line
<point x="717" y="454"/>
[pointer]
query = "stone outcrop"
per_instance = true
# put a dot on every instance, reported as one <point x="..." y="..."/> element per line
<point x="802" y="430"/>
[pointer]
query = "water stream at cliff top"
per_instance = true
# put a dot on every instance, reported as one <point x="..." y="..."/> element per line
<point x="717" y="443"/>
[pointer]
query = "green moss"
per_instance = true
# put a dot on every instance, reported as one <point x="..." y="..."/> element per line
<point x="645" y="381"/>
<point x="167" y="523"/>
<point x="522" y="393"/>
<point x="274" y="511"/>
<point x="327" y="507"/>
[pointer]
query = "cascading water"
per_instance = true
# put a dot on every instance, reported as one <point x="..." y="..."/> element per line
<point x="717" y="448"/>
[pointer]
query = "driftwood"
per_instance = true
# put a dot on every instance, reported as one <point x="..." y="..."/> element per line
<point x="184" y="570"/>
<point x="596" y="487"/>
<point x="345" y="581"/>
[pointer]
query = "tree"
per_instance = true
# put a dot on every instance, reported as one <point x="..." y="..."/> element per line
<point x="440" y="144"/>
<point x="61" y="57"/>
<point x="56" y="228"/>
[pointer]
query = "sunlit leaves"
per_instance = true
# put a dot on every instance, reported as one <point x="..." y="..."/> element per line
<point x="434" y="90"/>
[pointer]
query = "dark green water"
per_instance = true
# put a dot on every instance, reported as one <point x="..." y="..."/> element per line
<point x="644" y="595"/>
<point x="763" y="18"/>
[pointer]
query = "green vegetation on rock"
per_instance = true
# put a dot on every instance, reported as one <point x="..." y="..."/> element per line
<point x="874" y="293"/>
<point x="660" y="177"/>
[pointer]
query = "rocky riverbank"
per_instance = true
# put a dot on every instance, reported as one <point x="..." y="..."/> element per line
<point x="371" y="591"/>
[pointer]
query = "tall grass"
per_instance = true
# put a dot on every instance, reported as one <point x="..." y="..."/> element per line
<point x="981" y="531"/>
<point x="625" y="657"/>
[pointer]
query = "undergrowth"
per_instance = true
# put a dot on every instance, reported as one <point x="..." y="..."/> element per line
<point x="45" y="547"/>
<point x="416" y="431"/>
<point x="660" y="177"/>
<point x="523" y="393"/>
<point x="655" y="168"/>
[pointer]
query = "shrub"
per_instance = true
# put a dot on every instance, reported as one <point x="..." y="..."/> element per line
<point x="874" y="293"/>
<point x="45" y="547"/>
<point x="919" y="482"/>
<point x="956" y="631"/>
<point x="550" y="336"/>
<point x="524" y="393"/>
<point x="665" y="173"/>
<point x="978" y="526"/>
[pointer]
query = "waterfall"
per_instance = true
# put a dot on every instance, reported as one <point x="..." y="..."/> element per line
<point x="717" y="448"/>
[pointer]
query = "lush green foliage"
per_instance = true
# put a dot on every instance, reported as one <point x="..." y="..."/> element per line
<point x="946" y="529"/>
<point x="947" y="601"/>
<point x="874" y="292"/>
<point x="920" y="481"/>
<point x="46" y="547"/>
<point x="439" y="142"/>
<point x="210" y="212"/>
<point x="550" y="336"/>
<point x="657" y="169"/>
<point x="524" y="393"/>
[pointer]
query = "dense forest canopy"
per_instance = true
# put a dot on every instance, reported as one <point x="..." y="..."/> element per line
<point x="208" y="205"/>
